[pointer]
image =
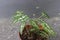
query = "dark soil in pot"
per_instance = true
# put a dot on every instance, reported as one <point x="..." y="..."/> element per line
<point x="27" y="35"/>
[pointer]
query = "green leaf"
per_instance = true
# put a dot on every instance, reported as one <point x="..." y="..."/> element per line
<point x="33" y="23"/>
<point x="45" y="24"/>
<point x="21" y="28"/>
<point x="19" y="12"/>
<point x="44" y="34"/>
<point x="46" y="27"/>
<point x="20" y="17"/>
<point x="45" y="14"/>
<point x="32" y="30"/>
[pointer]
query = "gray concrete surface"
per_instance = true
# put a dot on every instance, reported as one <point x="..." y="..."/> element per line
<point x="7" y="30"/>
<point x="8" y="8"/>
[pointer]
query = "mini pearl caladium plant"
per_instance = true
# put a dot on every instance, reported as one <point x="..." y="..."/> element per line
<point x="22" y="18"/>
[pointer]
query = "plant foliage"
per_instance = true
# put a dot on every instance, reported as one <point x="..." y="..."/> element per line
<point x="21" y="17"/>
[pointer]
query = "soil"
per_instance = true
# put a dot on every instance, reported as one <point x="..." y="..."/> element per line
<point x="27" y="35"/>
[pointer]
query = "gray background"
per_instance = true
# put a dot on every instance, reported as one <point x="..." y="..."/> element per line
<point x="8" y="8"/>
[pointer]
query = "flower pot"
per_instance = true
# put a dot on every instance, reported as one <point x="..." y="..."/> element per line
<point x="30" y="36"/>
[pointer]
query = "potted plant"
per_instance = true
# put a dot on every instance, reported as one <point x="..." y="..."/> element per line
<point x="33" y="28"/>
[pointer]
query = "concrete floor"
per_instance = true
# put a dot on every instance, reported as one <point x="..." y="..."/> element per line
<point x="7" y="30"/>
